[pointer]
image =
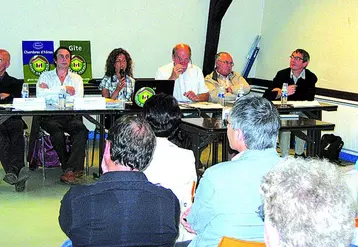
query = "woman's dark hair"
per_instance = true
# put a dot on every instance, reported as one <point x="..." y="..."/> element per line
<point x="111" y="60"/>
<point x="163" y="114"/>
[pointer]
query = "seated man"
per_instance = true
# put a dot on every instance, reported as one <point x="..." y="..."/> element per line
<point x="227" y="198"/>
<point x="172" y="167"/>
<point x="307" y="203"/>
<point x="189" y="80"/>
<point x="301" y="86"/>
<point x="48" y="86"/>
<point x="224" y="77"/>
<point x="122" y="208"/>
<point x="12" y="142"/>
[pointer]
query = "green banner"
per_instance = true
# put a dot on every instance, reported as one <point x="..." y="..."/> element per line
<point x="81" y="58"/>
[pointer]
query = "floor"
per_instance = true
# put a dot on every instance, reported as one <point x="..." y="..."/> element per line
<point x="30" y="218"/>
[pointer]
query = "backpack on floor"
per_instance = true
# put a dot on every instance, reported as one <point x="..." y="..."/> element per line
<point x="331" y="146"/>
<point x="51" y="157"/>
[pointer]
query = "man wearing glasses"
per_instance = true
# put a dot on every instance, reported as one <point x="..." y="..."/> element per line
<point x="224" y="78"/>
<point x="49" y="86"/>
<point x="189" y="80"/>
<point x="301" y="86"/>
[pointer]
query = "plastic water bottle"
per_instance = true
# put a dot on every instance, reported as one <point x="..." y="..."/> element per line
<point x="241" y="91"/>
<point x="62" y="98"/>
<point x="25" y="90"/>
<point x="221" y="96"/>
<point x="284" y="94"/>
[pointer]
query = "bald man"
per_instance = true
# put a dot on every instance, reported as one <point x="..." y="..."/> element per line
<point x="223" y="76"/>
<point x="189" y="80"/>
<point x="12" y="143"/>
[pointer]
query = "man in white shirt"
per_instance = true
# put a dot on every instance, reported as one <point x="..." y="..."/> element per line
<point x="189" y="79"/>
<point x="49" y="86"/>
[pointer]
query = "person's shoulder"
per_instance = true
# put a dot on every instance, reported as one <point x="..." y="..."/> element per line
<point x="310" y="74"/>
<point x="209" y="76"/>
<point x="159" y="191"/>
<point x="221" y="168"/>
<point x="75" y="75"/>
<point x="166" y="66"/>
<point x="78" y="191"/>
<point x="284" y="71"/>
<point x="12" y="79"/>
<point x="195" y="67"/>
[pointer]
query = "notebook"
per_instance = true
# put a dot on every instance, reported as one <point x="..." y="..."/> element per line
<point x="147" y="87"/>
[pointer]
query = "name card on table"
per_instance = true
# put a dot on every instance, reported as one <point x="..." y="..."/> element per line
<point x="29" y="104"/>
<point x="89" y="103"/>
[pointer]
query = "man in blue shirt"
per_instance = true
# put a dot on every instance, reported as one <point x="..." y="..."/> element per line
<point x="227" y="201"/>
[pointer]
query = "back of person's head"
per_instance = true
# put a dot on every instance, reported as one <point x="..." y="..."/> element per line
<point x="163" y="114"/>
<point x="308" y="204"/>
<point x="132" y="142"/>
<point x="259" y="121"/>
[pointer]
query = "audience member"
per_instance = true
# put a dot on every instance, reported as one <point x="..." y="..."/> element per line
<point x="49" y="86"/>
<point x="224" y="78"/>
<point x="307" y="203"/>
<point x="227" y="200"/>
<point x="12" y="142"/>
<point x="122" y="208"/>
<point x="301" y="86"/>
<point x="117" y="82"/>
<point x="189" y="80"/>
<point x="171" y="167"/>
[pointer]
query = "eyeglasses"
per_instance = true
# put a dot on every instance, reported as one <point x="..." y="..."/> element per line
<point x="296" y="58"/>
<point x="227" y="63"/>
<point x="183" y="60"/>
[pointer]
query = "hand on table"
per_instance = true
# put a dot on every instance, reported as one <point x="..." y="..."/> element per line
<point x="191" y="95"/>
<point x="4" y="95"/>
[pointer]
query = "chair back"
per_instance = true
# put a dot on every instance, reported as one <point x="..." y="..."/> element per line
<point x="232" y="242"/>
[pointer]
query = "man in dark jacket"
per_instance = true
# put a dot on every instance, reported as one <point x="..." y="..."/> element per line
<point x="301" y="86"/>
<point x="12" y="143"/>
<point x="123" y="208"/>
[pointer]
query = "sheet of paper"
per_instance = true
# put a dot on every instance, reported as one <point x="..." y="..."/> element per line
<point x="299" y="103"/>
<point x="201" y="105"/>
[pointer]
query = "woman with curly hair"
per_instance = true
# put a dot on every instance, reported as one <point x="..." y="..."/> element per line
<point x="118" y="82"/>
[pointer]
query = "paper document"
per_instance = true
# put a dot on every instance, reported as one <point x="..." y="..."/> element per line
<point x="299" y="103"/>
<point x="201" y="105"/>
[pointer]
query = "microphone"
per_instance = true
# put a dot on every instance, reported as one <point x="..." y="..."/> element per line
<point x="122" y="73"/>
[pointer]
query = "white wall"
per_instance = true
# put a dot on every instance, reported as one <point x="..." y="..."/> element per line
<point x="240" y="26"/>
<point x="146" y="29"/>
<point x="326" y="29"/>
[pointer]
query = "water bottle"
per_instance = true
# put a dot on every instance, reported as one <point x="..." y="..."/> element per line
<point x="221" y="96"/>
<point x="284" y="94"/>
<point x="62" y="98"/>
<point x="241" y="90"/>
<point x="25" y="90"/>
